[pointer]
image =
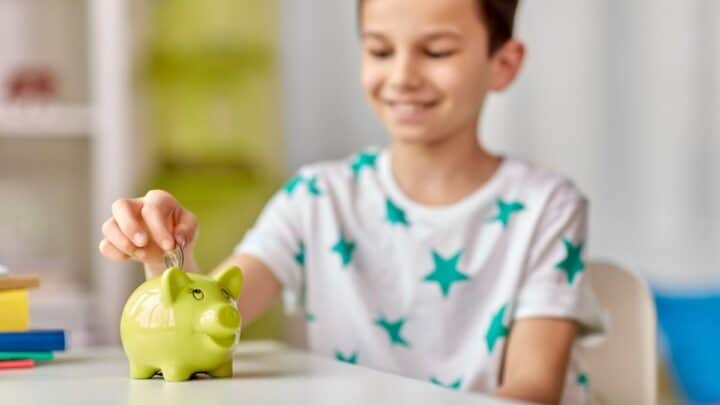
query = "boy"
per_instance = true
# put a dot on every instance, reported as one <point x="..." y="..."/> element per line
<point x="432" y="258"/>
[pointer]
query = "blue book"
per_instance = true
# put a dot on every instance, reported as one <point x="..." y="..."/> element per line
<point x="33" y="341"/>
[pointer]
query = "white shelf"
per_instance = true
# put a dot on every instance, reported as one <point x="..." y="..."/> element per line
<point x="40" y="120"/>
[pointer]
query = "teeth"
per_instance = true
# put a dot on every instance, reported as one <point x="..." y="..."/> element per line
<point x="404" y="107"/>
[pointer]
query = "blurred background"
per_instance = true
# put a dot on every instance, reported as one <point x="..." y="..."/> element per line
<point x="219" y="101"/>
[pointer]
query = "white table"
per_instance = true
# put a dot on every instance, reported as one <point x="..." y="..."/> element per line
<point x="264" y="373"/>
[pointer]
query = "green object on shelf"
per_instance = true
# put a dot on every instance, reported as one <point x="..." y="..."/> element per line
<point x="37" y="356"/>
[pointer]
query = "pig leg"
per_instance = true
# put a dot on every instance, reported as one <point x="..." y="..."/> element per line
<point x="176" y="373"/>
<point x="225" y="370"/>
<point x="139" y="371"/>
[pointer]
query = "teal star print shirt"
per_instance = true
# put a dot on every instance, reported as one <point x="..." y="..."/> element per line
<point x="429" y="292"/>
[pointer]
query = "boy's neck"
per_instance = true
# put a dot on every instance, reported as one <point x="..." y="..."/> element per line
<point x="444" y="172"/>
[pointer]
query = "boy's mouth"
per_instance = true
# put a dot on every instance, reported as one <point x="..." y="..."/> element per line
<point x="408" y="111"/>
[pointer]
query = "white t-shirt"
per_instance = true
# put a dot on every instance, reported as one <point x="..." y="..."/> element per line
<point x="424" y="291"/>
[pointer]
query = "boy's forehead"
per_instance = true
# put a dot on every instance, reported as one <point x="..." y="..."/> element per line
<point x="420" y="14"/>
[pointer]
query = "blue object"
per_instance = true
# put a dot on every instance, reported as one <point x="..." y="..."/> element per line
<point x="690" y="326"/>
<point x="33" y="341"/>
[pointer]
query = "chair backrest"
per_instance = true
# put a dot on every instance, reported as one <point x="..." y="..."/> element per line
<point x="622" y="368"/>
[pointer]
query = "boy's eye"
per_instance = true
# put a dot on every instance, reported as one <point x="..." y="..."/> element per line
<point x="198" y="294"/>
<point x="380" y="53"/>
<point x="439" y="54"/>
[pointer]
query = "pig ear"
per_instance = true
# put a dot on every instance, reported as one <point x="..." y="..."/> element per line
<point x="171" y="284"/>
<point x="231" y="279"/>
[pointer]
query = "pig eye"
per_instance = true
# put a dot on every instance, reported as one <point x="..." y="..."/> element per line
<point x="198" y="294"/>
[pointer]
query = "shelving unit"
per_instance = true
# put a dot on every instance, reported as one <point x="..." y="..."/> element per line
<point x="65" y="159"/>
<point x="36" y="120"/>
<point x="64" y="162"/>
<point x="44" y="224"/>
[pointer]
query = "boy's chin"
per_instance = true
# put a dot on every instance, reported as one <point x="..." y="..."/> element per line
<point x="414" y="135"/>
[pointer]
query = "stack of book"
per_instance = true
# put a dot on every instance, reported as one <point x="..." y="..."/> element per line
<point x="20" y="346"/>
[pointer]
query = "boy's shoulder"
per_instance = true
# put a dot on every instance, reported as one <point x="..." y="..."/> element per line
<point x="540" y="182"/>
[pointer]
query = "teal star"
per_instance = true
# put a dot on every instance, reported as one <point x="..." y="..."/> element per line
<point x="345" y="249"/>
<point x="362" y="160"/>
<point x="292" y="184"/>
<point x="312" y="187"/>
<point x="393" y="330"/>
<point x="351" y="359"/>
<point x="497" y="328"/>
<point x="573" y="263"/>
<point x="300" y="259"/>
<point x="446" y="272"/>
<point x="310" y="184"/>
<point x="300" y="255"/>
<point x="454" y="386"/>
<point x="395" y="214"/>
<point x="505" y="210"/>
<point x="583" y="380"/>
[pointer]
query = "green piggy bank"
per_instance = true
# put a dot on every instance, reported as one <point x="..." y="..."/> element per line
<point x="182" y="323"/>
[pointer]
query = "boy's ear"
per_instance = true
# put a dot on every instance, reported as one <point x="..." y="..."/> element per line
<point x="231" y="279"/>
<point x="171" y="284"/>
<point x="506" y="63"/>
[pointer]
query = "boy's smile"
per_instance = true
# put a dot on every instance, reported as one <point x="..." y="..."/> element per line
<point x="408" y="111"/>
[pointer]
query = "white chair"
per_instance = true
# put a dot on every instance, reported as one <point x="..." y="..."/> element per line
<point x="622" y="368"/>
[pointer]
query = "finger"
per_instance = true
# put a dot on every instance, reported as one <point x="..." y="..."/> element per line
<point x="117" y="238"/>
<point x="127" y="215"/>
<point x="186" y="228"/>
<point x="157" y="212"/>
<point x="150" y="253"/>
<point x="111" y="252"/>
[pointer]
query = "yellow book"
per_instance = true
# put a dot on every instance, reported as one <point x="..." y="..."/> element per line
<point x="14" y="310"/>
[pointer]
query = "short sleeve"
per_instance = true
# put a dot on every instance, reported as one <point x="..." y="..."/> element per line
<point x="275" y="238"/>
<point x="555" y="284"/>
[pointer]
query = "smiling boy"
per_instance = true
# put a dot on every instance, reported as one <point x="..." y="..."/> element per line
<point x="431" y="257"/>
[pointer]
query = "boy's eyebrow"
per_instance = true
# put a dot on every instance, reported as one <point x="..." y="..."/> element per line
<point x="430" y="35"/>
<point x="442" y="33"/>
<point x="372" y="34"/>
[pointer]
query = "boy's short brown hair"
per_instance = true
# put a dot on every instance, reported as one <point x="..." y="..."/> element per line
<point x="498" y="16"/>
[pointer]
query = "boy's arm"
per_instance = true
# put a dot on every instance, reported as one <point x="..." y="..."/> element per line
<point x="260" y="286"/>
<point x="536" y="359"/>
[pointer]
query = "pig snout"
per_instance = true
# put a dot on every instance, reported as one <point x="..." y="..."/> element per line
<point x="220" y="321"/>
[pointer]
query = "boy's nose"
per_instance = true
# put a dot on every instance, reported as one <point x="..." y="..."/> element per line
<point x="404" y="74"/>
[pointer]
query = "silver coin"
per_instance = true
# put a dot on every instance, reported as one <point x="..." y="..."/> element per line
<point x="175" y="257"/>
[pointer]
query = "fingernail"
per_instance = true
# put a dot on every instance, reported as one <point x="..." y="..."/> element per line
<point x="140" y="239"/>
<point x="140" y="254"/>
<point x="167" y="244"/>
<point x="180" y="240"/>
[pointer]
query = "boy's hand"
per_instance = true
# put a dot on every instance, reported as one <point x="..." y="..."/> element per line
<point x="143" y="228"/>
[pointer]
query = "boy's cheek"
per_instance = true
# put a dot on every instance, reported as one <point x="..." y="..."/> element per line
<point x="466" y="88"/>
<point x="371" y="80"/>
